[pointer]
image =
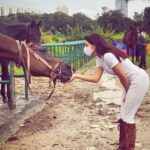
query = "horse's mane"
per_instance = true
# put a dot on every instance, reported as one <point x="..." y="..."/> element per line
<point x="12" y="29"/>
<point x="42" y="51"/>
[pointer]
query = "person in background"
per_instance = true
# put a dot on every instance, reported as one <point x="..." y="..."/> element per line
<point x="119" y="43"/>
<point x="142" y="49"/>
<point x="135" y="83"/>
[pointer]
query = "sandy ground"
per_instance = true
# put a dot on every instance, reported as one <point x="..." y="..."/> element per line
<point x="79" y="116"/>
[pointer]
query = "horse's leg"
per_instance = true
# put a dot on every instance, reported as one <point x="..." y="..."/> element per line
<point x="132" y="51"/>
<point x="143" y="57"/>
<point x="8" y="78"/>
<point x="3" y="93"/>
<point x="137" y="53"/>
<point x="4" y="98"/>
<point x="5" y="76"/>
<point x="128" y="50"/>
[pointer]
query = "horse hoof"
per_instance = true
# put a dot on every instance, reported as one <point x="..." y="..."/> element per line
<point x="11" y="106"/>
<point x="5" y="100"/>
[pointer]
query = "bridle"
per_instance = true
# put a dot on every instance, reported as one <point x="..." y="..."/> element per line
<point x="29" y="51"/>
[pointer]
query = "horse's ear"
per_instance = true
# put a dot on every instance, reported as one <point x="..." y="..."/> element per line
<point x="39" y="23"/>
<point x="31" y="24"/>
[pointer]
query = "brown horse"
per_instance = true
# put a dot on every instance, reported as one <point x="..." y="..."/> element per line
<point x="30" y="32"/>
<point x="130" y="39"/>
<point x="56" y="69"/>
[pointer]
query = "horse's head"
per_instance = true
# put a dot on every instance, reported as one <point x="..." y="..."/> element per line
<point x="33" y="32"/>
<point x="130" y="37"/>
<point x="63" y="72"/>
<point x="30" y="32"/>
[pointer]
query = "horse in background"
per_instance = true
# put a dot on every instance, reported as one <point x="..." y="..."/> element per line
<point x="29" y="32"/>
<point x="130" y="39"/>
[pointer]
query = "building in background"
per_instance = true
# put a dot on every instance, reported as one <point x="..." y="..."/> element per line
<point x="63" y="8"/>
<point x="122" y="5"/>
<point x="7" y="10"/>
<point x="4" y="10"/>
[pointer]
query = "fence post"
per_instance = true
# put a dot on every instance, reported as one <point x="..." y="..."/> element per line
<point x="26" y="85"/>
<point x="12" y="104"/>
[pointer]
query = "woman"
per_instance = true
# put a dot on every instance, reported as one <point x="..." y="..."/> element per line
<point x="134" y="80"/>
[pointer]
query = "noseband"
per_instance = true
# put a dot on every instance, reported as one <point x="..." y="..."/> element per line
<point x="29" y="51"/>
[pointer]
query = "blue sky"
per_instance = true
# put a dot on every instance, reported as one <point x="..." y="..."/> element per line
<point x="90" y="7"/>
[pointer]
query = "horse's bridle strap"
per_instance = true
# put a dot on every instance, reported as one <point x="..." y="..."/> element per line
<point x="21" y="59"/>
<point x="28" y="59"/>
<point x="20" y="52"/>
<point x="38" y="57"/>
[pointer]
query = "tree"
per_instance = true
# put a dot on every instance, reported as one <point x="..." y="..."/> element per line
<point x="146" y="19"/>
<point x="114" y="20"/>
<point x="104" y="9"/>
<point x="79" y="19"/>
<point x="8" y="19"/>
<point x="46" y="24"/>
<point x="58" y="21"/>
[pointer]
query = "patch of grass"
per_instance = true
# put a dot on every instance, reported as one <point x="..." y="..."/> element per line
<point x="148" y="59"/>
<point x="91" y="63"/>
<point x="83" y="71"/>
<point x="17" y="71"/>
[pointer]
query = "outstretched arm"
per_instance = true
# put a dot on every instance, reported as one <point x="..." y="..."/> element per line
<point x="91" y="78"/>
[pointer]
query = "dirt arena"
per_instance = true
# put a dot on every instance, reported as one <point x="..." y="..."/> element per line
<point x="79" y="116"/>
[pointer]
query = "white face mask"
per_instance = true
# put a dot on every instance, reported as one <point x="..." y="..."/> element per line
<point x="88" y="51"/>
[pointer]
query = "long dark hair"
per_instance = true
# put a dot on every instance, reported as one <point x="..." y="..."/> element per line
<point x="102" y="46"/>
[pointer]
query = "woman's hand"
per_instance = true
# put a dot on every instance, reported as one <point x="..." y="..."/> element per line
<point x="72" y="78"/>
<point x="91" y="78"/>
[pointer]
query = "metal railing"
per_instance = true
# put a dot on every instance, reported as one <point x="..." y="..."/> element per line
<point x="70" y="52"/>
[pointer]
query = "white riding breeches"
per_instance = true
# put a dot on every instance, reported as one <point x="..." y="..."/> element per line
<point x="139" y="85"/>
